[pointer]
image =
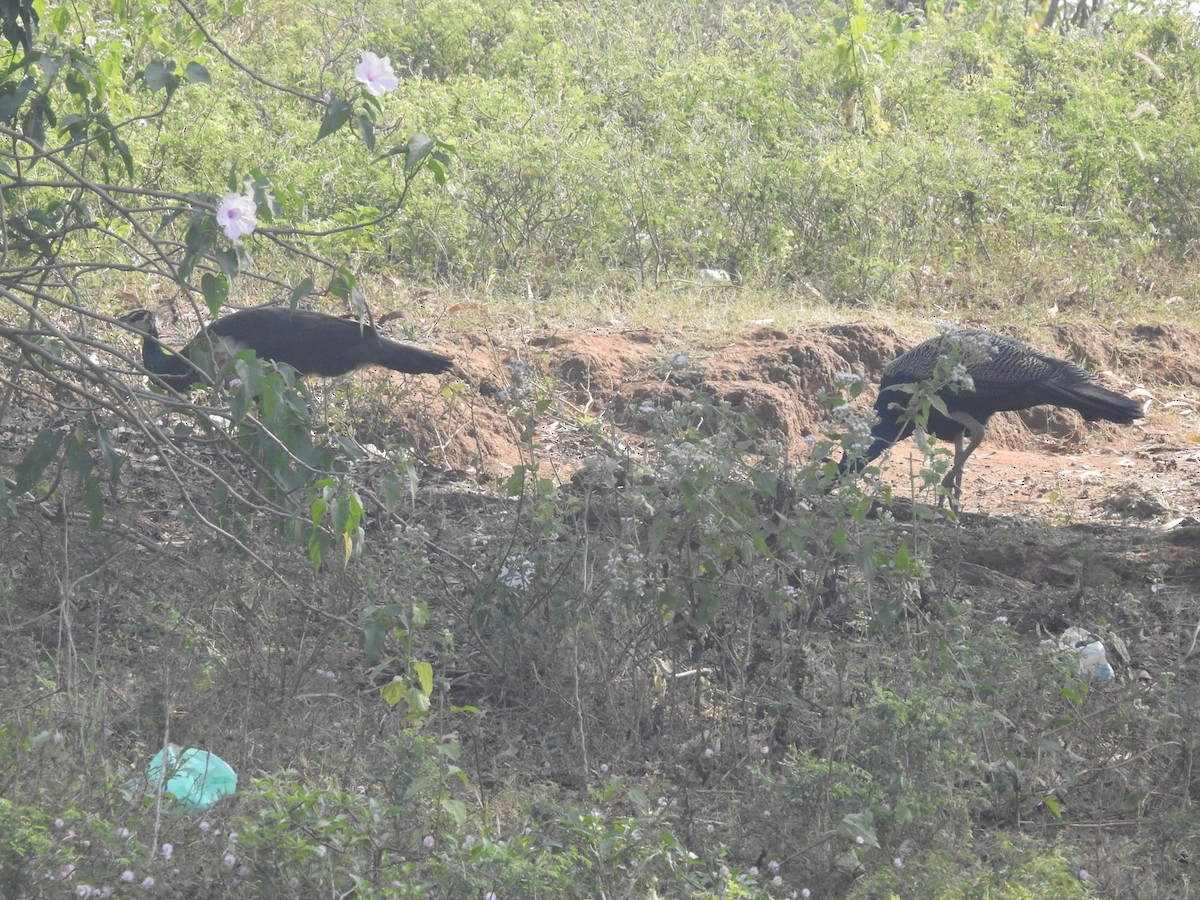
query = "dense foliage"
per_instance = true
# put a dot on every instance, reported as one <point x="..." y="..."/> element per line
<point x="860" y="152"/>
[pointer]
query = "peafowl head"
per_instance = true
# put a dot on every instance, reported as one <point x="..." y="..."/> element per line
<point x="140" y="320"/>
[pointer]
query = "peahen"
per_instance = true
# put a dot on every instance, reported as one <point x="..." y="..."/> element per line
<point x="987" y="373"/>
<point x="312" y="343"/>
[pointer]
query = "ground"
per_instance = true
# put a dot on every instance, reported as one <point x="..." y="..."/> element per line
<point x="1127" y="496"/>
<point x="1043" y="464"/>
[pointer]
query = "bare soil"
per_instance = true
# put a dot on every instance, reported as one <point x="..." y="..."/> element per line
<point x="1042" y="464"/>
<point x="1066" y="522"/>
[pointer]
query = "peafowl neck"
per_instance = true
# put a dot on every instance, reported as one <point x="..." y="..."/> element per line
<point x="159" y="360"/>
<point x="883" y="435"/>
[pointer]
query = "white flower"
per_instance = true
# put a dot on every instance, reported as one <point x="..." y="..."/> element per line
<point x="376" y="74"/>
<point x="238" y="215"/>
<point x="517" y="573"/>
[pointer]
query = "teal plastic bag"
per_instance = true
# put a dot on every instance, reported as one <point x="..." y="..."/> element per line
<point x="194" y="779"/>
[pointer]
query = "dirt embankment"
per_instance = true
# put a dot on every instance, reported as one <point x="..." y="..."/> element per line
<point x="1043" y="461"/>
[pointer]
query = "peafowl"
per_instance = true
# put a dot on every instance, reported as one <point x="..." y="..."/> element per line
<point x="987" y="373"/>
<point x="312" y="343"/>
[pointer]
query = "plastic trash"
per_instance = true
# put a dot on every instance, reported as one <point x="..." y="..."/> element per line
<point x="194" y="779"/>
<point x="1093" y="659"/>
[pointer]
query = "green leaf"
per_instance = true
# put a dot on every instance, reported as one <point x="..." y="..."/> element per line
<point x="316" y="554"/>
<point x="12" y="98"/>
<point x="299" y="292"/>
<point x="112" y="459"/>
<point x="78" y="457"/>
<point x="393" y="691"/>
<point x="859" y="825"/>
<point x="1051" y="803"/>
<point x="366" y="130"/>
<point x="215" y="289"/>
<point x="337" y="114"/>
<point x="60" y="18"/>
<point x="198" y="239"/>
<point x="157" y="75"/>
<point x="425" y="675"/>
<point x="124" y="152"/>
<point x="419" y="147"/>
<point x="230" y="261"/>
<point x="456" y="810"/>
<point x="418" y="704"/>
<point x="435" y="166"/>
<point x="197" y="74"/>
<point x="342" y="283"/>
<point x="93" y="499"/>
<point x="40" y="455"/>
<point x="516" y="482"/>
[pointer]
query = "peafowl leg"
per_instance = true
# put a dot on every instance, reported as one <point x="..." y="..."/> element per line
<point x="953" y="480"/>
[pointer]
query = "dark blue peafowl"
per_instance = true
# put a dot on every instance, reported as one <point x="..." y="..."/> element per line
<point x="312" y="343"/>
<point x="986" y="373"/>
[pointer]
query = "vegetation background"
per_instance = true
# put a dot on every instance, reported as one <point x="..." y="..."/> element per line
<point x="693" y="670"/>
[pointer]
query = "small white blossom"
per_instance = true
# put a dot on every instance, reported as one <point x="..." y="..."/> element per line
<point x="375" y="74"/>
<point x="960" y="378"/>
<point x="237" y="215"/>
<point x="517" y="573"/>
<point x="854" y="424"/>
